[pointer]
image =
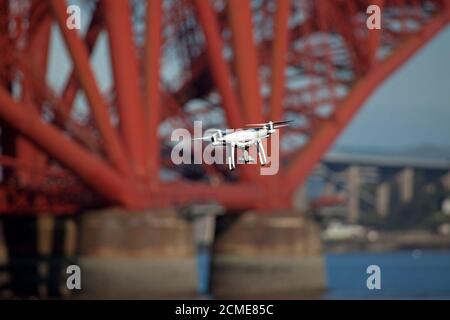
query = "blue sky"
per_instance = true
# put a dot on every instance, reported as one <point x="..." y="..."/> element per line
<point x="411" y="108"/>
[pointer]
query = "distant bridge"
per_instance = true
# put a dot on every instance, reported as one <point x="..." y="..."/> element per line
<point x="374" y="182"/>
<point x="392" y="161"/>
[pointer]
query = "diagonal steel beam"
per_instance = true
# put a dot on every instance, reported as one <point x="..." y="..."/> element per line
<point x="91" y="169"/>
<point x="279" y="59"/>
<point x="117" y="15"/>
<point x="37" y="52"/>
<point x="85" y="75"/>
<point x="152" y="93"/>
<point x="92" y="33"/>
<point x="219" y="67"/>
<point x="246" y="59"/>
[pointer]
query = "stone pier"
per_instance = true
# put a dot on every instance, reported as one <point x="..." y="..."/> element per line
<point x="277" y="254"/>
<point x="136" y="255"/>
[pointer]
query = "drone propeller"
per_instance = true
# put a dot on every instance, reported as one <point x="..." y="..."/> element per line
<point x="271" y="124"/>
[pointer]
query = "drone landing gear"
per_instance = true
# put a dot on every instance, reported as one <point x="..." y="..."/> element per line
<point x="231" y="163"/>
<point x="246" y="158"/>
<point x="261" y="152"/>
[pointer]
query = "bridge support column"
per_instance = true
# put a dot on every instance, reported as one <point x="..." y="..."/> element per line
<point x="406" y="184"/>
<point x="353" y="182"/>
<point x="383" y="198"/>
<point x="4" y="277"/>
<point x="21" y="261"/>
<point x="34" y="254"/>
<point x="301" y="199"/>
<point x="136" y="255"/>
<point x="267" y="255"/>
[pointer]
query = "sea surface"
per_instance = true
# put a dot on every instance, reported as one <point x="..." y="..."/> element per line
<point x="414" y="274"/>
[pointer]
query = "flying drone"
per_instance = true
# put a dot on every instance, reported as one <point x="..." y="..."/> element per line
<point x="244" y="139"/>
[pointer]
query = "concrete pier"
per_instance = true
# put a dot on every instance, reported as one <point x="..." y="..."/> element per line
<point x="267" y="255"/>
<point x="136" y="255"/>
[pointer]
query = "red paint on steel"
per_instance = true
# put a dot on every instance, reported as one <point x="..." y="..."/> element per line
<point x="88" y="167"/>
<point x="72" y="85"/>
<point x="219" y="68"/>
<point x="230" y="49"/>
<point x="279" y="59"/>
<point x="245" y="59"/>
<point x="117" y="15"/>
<point x="80" y="58"/>
<point x="152" y="92"/>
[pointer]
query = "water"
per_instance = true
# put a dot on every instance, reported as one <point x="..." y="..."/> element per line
<point x="203" y="267"/>
<point x="404" y="275"/>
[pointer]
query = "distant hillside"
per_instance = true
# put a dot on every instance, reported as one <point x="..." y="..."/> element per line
<point x="420" y="151"/>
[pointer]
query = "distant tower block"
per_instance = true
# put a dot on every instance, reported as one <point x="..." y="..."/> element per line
<point x="446" y="181"/>
<point x="383" y="198"/>
<point x="406" y="184"/>
<point x="353" y="183"/>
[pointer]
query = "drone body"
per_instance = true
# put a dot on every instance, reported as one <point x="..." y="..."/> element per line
<point x="244" y="139"/>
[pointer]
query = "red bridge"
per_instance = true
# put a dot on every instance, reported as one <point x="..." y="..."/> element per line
<point x="226" y="63"/>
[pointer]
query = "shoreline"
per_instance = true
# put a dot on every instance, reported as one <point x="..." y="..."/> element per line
<point x="391" y="241"/>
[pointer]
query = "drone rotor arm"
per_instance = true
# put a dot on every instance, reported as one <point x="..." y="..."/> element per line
<point x="203" y="138"/>
<point x="280" y="126"/>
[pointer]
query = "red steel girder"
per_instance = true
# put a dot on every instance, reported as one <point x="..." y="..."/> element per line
<point x="126" y="80"/>
<point x="246" y="59"/>
<point x="152" y="93"/>
<point x="37" y="45"/>
<point x="320" y="51"/>
<point x="279" y="59"/>
<point x="77" y="49"/>
<point x="72" y="85"/>
<point x="91" y="169"/>
<point x="219" y="68"/>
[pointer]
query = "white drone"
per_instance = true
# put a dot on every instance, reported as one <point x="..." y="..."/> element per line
<point x="244" y="139"/>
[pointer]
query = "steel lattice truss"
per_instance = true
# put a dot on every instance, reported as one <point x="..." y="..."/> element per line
<point x="226" y="63"/>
